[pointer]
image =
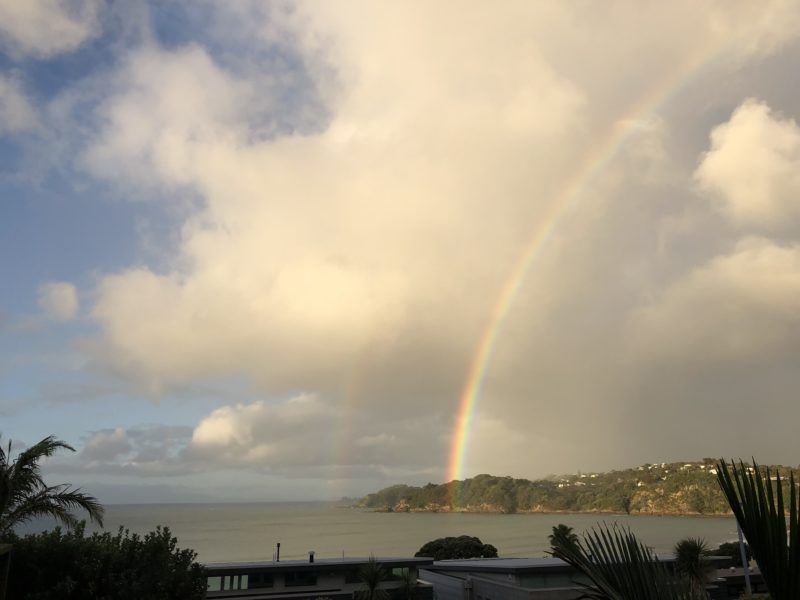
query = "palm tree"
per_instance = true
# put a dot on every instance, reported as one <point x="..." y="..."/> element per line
<point x="562" y="535"/>
<point x="757" y="500"/>
<point x="25" y="496"/>
<point x="620" y="567"/>
<point x="691" y="561"/>
<point x="371" y="575"/>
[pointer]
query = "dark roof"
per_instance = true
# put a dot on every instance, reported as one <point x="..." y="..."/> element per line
<point x="509" y="565"/>
<point x="500" y="565"/>
<point x="319" y="564"/>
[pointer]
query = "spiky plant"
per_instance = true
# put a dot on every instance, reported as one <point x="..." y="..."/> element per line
<point x="371" y="575"/>
<point x="620" y="567"/>
<point x="759" y="504"/>
<point x="25" y="496"/>
<point x="691" y="560"/>
<point x="408" y="583"/>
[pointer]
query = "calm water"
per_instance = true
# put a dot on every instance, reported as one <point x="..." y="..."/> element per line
<point x="223" y="532"/>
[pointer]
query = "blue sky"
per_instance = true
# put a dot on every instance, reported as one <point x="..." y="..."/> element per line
<point x="249" y="250"/>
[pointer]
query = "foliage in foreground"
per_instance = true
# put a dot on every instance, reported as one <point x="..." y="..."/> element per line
<point x="463" y="546"/>
<point x="760" y="506"/>
<point x="69" y="566"/>
<point x="620" y="567"/>
<point x="25" y="496"/>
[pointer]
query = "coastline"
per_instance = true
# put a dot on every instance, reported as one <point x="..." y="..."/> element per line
<point x="467" y="511"/>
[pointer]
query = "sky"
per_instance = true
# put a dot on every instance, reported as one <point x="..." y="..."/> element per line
<point x="259" y="250"/>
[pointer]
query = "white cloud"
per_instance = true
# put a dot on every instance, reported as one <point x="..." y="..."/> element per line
<point x="43" y="28"/>
<point x="753" y="167"/>
<point x="59" y="300"/>
<point x="742" y="307"/>
<point x="16" y="112"/>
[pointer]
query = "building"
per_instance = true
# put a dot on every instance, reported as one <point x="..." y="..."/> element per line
<point x="503" y="579"/>
<point x="547" y="579"/>
<point x="337" y="579"/>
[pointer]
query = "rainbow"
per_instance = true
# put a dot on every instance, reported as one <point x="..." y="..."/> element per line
<point x="564" y="203"/>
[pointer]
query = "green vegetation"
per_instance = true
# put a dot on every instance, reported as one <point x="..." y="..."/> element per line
<point x="691" y="560"/>
<point x="562" y="535"/>
<point x="371" y="575"/>
<point x="620" y="567"/>
<point x="69" y="566"/>
<point x="665" y="488"/>
<point x="25" y="496"/>
<point x="732" y="549"/>
<point x="758" y="498"/>
<point x="463" y="546"/>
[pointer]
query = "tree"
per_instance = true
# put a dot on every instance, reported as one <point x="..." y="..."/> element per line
<point x="371" y="575"/>
<point x="463" y="546"/>
<point x="57" y="565"/>
<point x="25" y="496"/>
<point x="562" y="535"/>
<point x="759" y="504"/>
<point x="691" y="560"/>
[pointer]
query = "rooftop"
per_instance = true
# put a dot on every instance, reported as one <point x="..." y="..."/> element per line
<point x="334" y="564"/>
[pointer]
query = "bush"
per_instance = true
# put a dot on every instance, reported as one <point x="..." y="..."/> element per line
<point x="463" y="546"/>
<point x="55" y="565"/>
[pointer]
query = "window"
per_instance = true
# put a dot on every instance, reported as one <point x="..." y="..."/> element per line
<point x="226" y="582"/>
<point x="300" y="578"/>
<point x="260" y="580"/>
<point x="214" y="584"/>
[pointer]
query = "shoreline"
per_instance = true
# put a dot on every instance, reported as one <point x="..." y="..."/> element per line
<point x="551" y="512"/>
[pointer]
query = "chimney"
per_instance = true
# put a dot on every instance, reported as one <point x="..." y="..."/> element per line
<point x="311" y="556"/>
<point x="278" y="555"/>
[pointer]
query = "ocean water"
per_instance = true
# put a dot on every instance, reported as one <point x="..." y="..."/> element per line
<point x="234" y="532"/>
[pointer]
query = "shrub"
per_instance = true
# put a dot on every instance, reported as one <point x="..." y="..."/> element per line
<point x="70" y="566"/>
<point x="463" y="546"/>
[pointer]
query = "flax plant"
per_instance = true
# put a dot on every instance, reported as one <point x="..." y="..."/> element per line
<point x="759" y="504"/>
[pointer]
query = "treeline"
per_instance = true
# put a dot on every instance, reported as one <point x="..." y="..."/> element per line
<point x="664" y="488"/>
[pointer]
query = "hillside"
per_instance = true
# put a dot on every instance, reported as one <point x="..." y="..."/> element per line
<point x="666" y="488"/>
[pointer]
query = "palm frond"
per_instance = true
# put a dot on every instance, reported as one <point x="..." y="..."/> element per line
<point x="620" y="567"/>
<point x="24" y="494"/>
<point x="759" y="504"/>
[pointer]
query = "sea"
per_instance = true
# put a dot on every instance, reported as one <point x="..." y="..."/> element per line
<point x="250" y="532"/>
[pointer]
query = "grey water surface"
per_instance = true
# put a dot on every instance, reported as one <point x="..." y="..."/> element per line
<point x="234" y="532"/>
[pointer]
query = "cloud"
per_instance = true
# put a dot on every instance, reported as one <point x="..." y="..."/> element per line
<point x="59" y="301"/>
<point x="16" y="112"/>
<point x="360" y="197"/>
<point x="753" y="167"/>
<point x="305" y="432"/>
<point x="299" y="437"/>
<point x="44" y="28"/>
<point x="750" y="302"/>
<point x="280" y="268"/>
<point x="107" y="445"/>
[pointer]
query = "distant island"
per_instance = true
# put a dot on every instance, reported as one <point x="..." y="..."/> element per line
<point x="685" y="488"/>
